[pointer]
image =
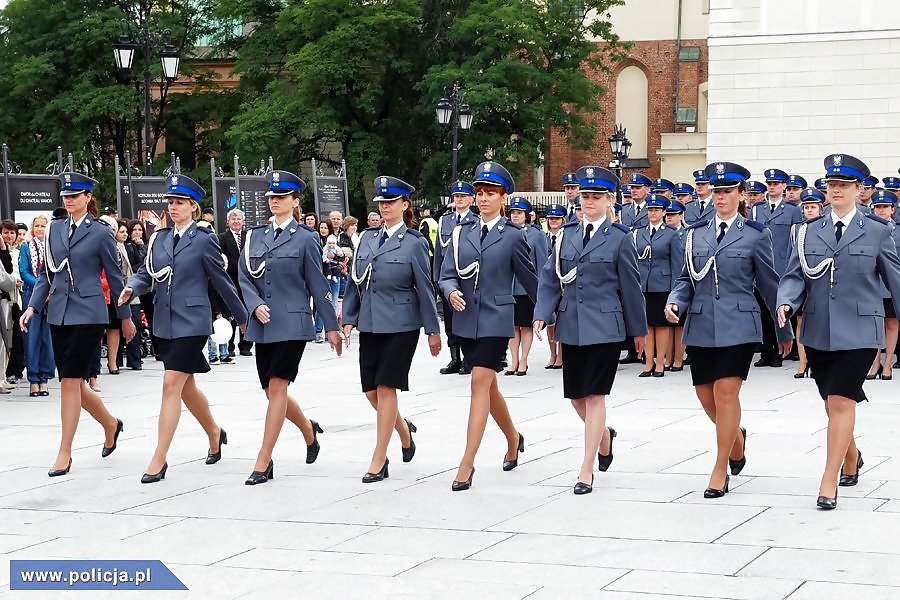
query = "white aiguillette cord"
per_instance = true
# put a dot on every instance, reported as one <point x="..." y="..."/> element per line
<point x="470" y="271"/>
<point x="817" y="271"/>
<point x="648" y="251"/>
<point x="689" y="261"/>
<point x="366" y="272"/>
<point x="165" y="273"/>
<point x="254" y="273"/>
<point x="51" y="262"/>
<point x="570" y="276"/>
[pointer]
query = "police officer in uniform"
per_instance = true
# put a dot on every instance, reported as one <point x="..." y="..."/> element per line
<point x="390" y="298"/>
<point x="835" y="274"/>
<point x="683" y="192"/>
<point x="811" y="203"/>
<point x="570" y="187"/>
<point x="870" y="184"/>
<point x="821" y="186"/>
<point x="725" y="259"/>
<point x="884" y="203"/>
<point x="556" y="216"/>
<point x="591" y="289"/>
<point x="756" y="192"/>
<point x="280" y="270"/>
<point x="77" y="247"/>
<point x="892" y="184"/>
<point x="793" y="188"/>
<point x="183" y="260"/>
<point x="701" y="208"/>
<point x="663" y="187"/>
<point x="463" y="195"/>
<point x="634" y="215"/>
<point x="675" y="219"/>
<point x="476" y="278"/>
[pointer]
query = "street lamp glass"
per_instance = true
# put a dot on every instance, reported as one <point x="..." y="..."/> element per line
<point x="444" y="111"/>
<point x="169" y="59"/>
<point x="615" y="144"/>
<point x="626" y="149"/>
<point x="466" y="116"/>
<point x="123" y="52"/>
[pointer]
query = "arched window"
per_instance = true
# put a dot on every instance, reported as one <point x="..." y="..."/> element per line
<point x="632" y="108"/>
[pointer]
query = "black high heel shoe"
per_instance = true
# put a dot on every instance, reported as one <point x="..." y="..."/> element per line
<point x="851" y="480"/>
<point x="603" y="461"/>
<point x="714" y="493"/>
<point x="147" y="478"/>
<point x="214" y="457"/>
<point x="802" y="374"/>
<point x="886" y="377"/>
<point x="58" y="472"/>
<point x="738" y="465"/>
<point x="379" y="476"/>
<point x="876" y="374"/>
<point x="312" y="451"/>
<point x="120" y="427"/>
<point x="409" y="452"/>
<point x="111" y="372"/>
<point x="509" y="465"/>
<point x="522" y="373"/>
<point x="826" y="503"/>
<point x="584" y="488"/>
<point x="257" y="477"/>
<point x="645" y="374"/>
<point x="460" y="486"/>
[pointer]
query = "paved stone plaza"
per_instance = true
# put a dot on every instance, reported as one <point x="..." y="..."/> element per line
<point x="317" y="532"/>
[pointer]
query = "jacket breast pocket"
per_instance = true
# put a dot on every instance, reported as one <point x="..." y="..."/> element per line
<point x="748" y="306"/>
<point x="197" y="301"/>
<point x="700" y="252"/>
<point x="862" y="258"/>
<point x="87" y="291"/>
<point x="600" y="258"/>
<point x="567" y="255"/>
<point x="739" y="253"/>
<point x="398" y="260"/>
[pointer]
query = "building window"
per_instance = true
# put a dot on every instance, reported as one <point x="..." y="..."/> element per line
<point x="632" y="108"/>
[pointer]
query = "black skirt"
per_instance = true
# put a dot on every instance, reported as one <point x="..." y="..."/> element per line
<point x="889" y="312"/>
<point x="278" y="359"/>
<point x="656" y="309"/>
<point x="385" y="359"/>
<point x="589" y="370"/>
<point x="841" y="372"/>
<point x="74" y="347"/>
<point x="711" y="364"/>
<point x="114" y="321"/>
<point x="523" y="313"/>
<point x="184" y="354"/>
<point x="487" y="352"/>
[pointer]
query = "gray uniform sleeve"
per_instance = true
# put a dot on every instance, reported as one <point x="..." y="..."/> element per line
<point x="888" y="266"/>
<point x="424" y="288"/>
<point x="767" y="283"/>
<point x="633" y="302"/>
<point x="215" y="271"/>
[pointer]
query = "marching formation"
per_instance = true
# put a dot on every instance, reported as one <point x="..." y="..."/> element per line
<point x="704" y="275"/>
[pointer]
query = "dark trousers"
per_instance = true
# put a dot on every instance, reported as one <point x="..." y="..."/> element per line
<point x="448" y="322"/>
<point x="770" y="341"/>
<point x="243" y="345"/>
<point x="16" y="363"/>
<point x="133" y="348"/>
<point x="147" y="307"/>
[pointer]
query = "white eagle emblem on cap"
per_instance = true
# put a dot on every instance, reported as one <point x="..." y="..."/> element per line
<point x="589" y="171"/>
<point x="276" y="176"/>
<point x="175" y="180"/>
<point x="487" y="167"/>
<point x="68" y="178"/>
<point x="720" y="168"/>
<point x="837" y="160"/>
<point x="384" y="182"/>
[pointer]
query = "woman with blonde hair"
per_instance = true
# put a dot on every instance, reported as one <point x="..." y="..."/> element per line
<point x="39" y="362"/>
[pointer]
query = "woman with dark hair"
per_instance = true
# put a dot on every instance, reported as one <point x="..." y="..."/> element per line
<point x="476" y="278"/>
<point x="136" y="246"/>
<point x="279" y="274"/>
<point x="325" y="229"/>
<point x="389" y="311"/>
<point x="77" y="249"/>
<point x="726" y="257"/>
<point x="311" y="220"/>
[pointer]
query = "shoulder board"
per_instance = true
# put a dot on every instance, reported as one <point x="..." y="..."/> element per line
<point x="667" y="226"/>
<point x="101" y="221"/>
<point x="697" y="224"/>
<point x="204" y="229"/>
<point x="370" y="228"/>
<point x="60" y="218"/>
<point x="572" y="224"/>
<point x="163" y="229"/>
<point x="878" y="219"/>
<point x="261" y="226"/>
<point x="306" y="227"/>
<point x="761" y="203"/>
<point x="814" y="219"/>
<point x="513" y="225"/>
<point x="755" y="225"/>
<point x="414" y="232"/>
<point x="621" y="227"/>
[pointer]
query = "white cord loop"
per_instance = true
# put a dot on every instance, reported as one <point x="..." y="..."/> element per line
<point x="440" y="228"/>
<point x="254" y="273"/>
<point x="470" y="271"/>
<point x="818" y="271"/>
<point x="647" y="254"/>
<point x="165" y="273"/>
<point x="570" y="276"/>
<point x="51" y="262"/>
<point x="710" y="264"/>
<point x="366" y="273"/>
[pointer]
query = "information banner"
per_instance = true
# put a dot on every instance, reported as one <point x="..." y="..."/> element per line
<point x="145" y="199"/>
<point x="252" y="200"/>
<point x="330" y="192"/>
<point x="29" y="196"/>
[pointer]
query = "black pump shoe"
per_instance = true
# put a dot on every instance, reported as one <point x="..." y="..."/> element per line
<point x="604" y="460"/>
<point x="214" y="457"/>
<point x="147" y="478"/>
<point x="58" y="472"/>
<point x="409" y="452"/>
<point x="738" y="465"/>
<point x="257" y="477"/>
<point x="584" y="488"/>
<point x="851" y="480"/>
<point x="379" y="476"/>
<point x="312" y="451"/>
<point x="460" y="486"/>
<point x="714" y="493"/>
<point x="120" y="427"/>
<point x="509" y="465"/>
<point x="826" y="503"/>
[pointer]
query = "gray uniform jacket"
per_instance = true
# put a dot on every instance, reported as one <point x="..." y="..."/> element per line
<point x="395" y="292"/>
<point x="537" y="251"/>
<point x="571" y="217"/>
<point x="489" y="305"/>
<point x="632" y="219"/>
<point x="895" y="235"/>
<point x="284" y="274"/>
<point x="181" y="305"/>
<point x="843" y="309"/>
<point x="779" y="223"/>
<point x="692" y="212"/>
<point x="727" y="314"/>
<point x="445" y="229"/>
<point x="76" y="292"/>
<point x="658" y="259"/>
<point x="603" y="303"/>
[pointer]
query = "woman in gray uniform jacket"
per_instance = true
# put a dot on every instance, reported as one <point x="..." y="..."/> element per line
<point x="523" y="315"/>
<point x="884" y="205"/>
<point x="279" y="271"/>
<point x="77" y="248"/>
<point x="389" y="299"/>
<point x="835" y="274"/>
<point x="726" y="257"/>
<point x="591" y="289"/>
<point x="183" y="260"/>
<point x="476" y="278"/>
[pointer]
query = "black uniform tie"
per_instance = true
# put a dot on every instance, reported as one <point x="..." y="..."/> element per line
<point x="72" y="230"/>
<point x="771" y="208"/>
<point x="723" y="226"/>
<point x="383" y="238"/>
<point x="175" y="239"/>
<point x="587" y="234"/>
<point x="838" y="230"/>
<point x="552" y="242"/>
<point x="652" y="232"/>
<point x="702" y="206"/>
<point x="458" y="218"/>
<point x="484" y="232"/>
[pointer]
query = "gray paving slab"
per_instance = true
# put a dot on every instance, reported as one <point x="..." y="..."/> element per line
<point x="645" y="533"/>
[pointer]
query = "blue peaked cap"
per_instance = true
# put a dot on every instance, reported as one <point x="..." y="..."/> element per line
<point x="282" y="183"/>
<point x="463" y="187"/>
<point x="493" y="173"/>
<point x="556" y="210"/>
<point x="72" y="184"/>
<point x="519" y="203"/>
<point x="592" y="178"/>
<point x="726" y="174"/>
<point x="884" y="197"/>
<point x="756" y="187"/>
<point x="811" y="195"/>
<point x="388" y="188"/>
<point x="843" y="167"/>
<point x="796" y="181"/>
<point x="675" y="207"/>
<point x="682" y="189"/>
<point x="182" y="186"/>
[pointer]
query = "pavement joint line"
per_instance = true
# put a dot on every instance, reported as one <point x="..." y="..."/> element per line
<point x="489" y="546"/>
<point x="681" y="462"/>
<point x="675" y="422"/>
<point x="418" y="564"/>
<point x="765" y="550"/>
<point x="627" y="571"/>
<point x="553" y="498"/>
<point x="176" y="495"/>
<point x="744" y="522"/>
<point x="163" y="526"/>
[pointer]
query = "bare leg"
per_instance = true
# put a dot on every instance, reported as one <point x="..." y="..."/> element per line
<point x="387" y="421"/>
<point x="594" y="431"/>
<point x="679" y="348"/>
<point x="663" y="339"/>
<point x="480" y="404"/>
<point x="275" y="415"/>
<point x="526" y="337"/>
<point x="841" y="420"/>
<point x="400" y="425"/>
<point x="514" y="350"/>
<point x="70" y="411"/>
<point x="91" y="402"/>
<point x="553" y="344"/>
<point x="196" y="402"/>
<point x="890" y="345"/>
<point x="112" y="349"/>
<point x="728" y="420"/>
<point x="649" y="349"/>
<point x="296" y="416"/>
<point x="500" y="413"/>
<point x="169" y="414"/>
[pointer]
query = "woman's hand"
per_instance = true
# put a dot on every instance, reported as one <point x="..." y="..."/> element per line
<point x="125" y="296"/>
<point x="23" y="320"/>
<point x="262" y="313"/>
<point x="434" y="343"/>
<point x="672" y="313"/>
<point x="538" y="326"/>
<point x="457" y="301"/>
<point x="347" y="330"/>
<point x="782" y="313"/>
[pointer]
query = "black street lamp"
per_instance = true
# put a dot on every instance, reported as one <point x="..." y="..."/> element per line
<point x="620" y="148"/>
<point x="124" y="50"/>
<point x="453" y="108"/>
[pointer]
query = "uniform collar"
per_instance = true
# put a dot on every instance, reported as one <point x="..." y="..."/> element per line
<point x="394" y="229"/>
<point x="846" y="220"/>
<point x="490" y="224"/>
<point x="79" y="221"/>
<point x="728" y="223"/>
<point x="282" y="226"/>
<point x="596" y="223"/>
<point x="462" y="215"/>
<point x="181" y="232"/>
